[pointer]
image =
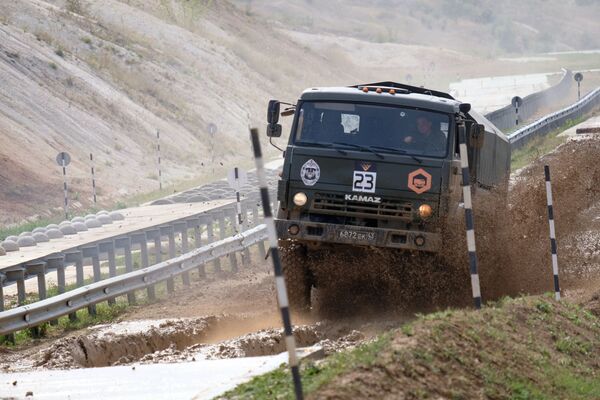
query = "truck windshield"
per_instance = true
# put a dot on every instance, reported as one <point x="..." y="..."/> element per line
<point x="382" y="127"/>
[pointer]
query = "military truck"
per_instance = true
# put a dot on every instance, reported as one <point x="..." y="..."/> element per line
<point x="376" y="165"/>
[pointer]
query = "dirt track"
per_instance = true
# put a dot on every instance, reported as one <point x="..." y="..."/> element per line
<point x="230" y="315"/>
<point x="236" y="315"/>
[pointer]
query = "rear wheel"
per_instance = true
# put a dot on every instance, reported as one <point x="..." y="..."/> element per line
<point x="294" y="262"/>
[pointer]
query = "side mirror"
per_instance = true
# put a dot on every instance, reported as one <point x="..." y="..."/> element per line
<point x="273" y="130"/>
<point x="273" y="112"/>
<point x="476" y="135"/>
<point x="464" y="107"/>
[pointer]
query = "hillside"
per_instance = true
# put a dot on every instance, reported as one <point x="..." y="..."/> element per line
<point x="483" y="28"/>
<point x="102" y="77"/>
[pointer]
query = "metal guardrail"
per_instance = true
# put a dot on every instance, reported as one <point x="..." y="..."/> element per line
<point x="505" y="117"/>
<point x="37" y="313"/>
<point x="213" y="228"/>
<point x="555" y="120"/>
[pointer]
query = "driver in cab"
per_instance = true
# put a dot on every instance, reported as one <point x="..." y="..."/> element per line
<point x="426" y="138"/>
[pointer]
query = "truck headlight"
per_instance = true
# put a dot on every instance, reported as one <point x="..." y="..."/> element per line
<point x="300" y="199"/>
<point x="425" y="211"/>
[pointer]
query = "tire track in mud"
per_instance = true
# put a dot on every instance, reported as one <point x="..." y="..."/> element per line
<point x="190" y="339"/>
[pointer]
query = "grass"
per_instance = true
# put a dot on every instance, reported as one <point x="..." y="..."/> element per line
<point x="105" y="313"/>
<point x="75" y="6"/>
<point x="541" y="145"/>
<point x="43" y="36"/>
<point x="56" y="218"/>
<point x="278" y="384"/>
<point x="27" y="226"/>
<point x="527" y="348"/>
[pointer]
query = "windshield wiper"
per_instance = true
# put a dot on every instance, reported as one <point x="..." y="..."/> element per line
<point x="328" y="145"/>
<point x="399" y="151"/>
<point x="357" y="146"/>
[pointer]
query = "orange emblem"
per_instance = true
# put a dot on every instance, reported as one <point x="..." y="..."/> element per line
<point x="419" y="181"/>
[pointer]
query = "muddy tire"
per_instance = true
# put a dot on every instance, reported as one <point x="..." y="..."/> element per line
<point x="296" y="272"/>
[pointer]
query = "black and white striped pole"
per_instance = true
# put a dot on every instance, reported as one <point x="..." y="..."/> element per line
<point x="63" y="159"/>
<point x="516" y="102"/>
<point x="158" y="154"/>
<point x="238" y="201"/>
<point x="236" y="179"/>
<point x="468" y="205"/>
<point x="93" y="178"/>
<point x="282" y="297"/>
<point x="552" y="232"/>
<point x="578" y="78"/>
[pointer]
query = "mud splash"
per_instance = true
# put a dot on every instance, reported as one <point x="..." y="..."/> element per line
<point x="512" y="246"/>
<point x="575" y="175"/>
<point x="359" y="282"/>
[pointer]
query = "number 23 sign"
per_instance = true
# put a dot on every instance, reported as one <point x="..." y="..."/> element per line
<point x="365" y="177"/>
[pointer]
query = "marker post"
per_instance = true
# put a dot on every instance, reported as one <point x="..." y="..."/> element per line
<point x="282" y="297"/>
<point x="468" y="205"/>
<point x="93" y="178"/>
<point x="236" y="179"/>
<point x="63" y="159"/>
<point x="578" y="78"/>
<point x="158" y="153"/>
<point x="552" y="232"/>
<point x="517" y="102"/>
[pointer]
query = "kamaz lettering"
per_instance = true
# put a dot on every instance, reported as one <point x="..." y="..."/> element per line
<point x="365" y="199"/>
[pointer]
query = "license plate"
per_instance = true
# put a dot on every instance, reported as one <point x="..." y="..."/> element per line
<point x="348" y="234"/>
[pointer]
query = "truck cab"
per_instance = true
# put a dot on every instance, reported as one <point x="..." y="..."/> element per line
<point x="378" y="165"/>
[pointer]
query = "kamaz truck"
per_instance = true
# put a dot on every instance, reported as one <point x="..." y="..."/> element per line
<point x="376" y="165"/>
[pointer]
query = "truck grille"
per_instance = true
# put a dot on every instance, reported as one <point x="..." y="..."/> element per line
<point x="335" y="204"/>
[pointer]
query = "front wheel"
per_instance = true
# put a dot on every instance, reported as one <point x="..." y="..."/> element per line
<point x="294" y="262"/>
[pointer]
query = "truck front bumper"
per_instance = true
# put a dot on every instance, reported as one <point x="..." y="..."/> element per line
<point x="358" y="235"/>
